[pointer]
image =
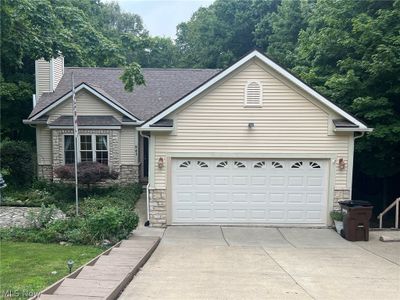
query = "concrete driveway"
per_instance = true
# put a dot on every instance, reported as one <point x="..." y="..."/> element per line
<point x="213" y="262"/>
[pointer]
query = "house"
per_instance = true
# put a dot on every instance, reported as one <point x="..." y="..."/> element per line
<point x="251" y="144"/>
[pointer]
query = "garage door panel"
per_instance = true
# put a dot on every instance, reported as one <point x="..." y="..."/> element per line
<point x="249" y="191"/>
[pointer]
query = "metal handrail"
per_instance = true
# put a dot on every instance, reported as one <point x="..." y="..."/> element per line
<point x="396" y="222"/>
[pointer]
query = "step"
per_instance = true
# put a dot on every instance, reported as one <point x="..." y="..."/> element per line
<point x="86" y="287"/>
<point x="136" y="244"/>
<point x="104" y="273"/>
<point x="110" y="261"/>
<point x="67" y="297"/>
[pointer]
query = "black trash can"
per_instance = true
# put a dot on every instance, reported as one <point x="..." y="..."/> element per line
<point x="356" y="219"/>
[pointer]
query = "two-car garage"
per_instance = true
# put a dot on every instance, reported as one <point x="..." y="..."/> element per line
<point x="249" y="191"/>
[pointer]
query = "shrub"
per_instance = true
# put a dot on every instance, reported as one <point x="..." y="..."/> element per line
<point x="43" y="217"/>
<point x="31" y="197"/>
<point x="17" y="163"/>
<point x="111" y="223"/>
<point x="336" y="215"/>
<point x="88" y="172"/>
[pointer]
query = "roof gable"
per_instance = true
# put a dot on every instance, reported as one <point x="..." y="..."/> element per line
<point x="98" y="92"/>
<point x="163" y="87"/>
<point x="281" y="71"/>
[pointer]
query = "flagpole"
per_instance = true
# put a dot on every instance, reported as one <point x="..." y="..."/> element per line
<point x="75" y="121"/>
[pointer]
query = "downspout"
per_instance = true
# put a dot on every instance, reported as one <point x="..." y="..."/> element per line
<point x="147" y="223"/>
<point x="359" y="136"/>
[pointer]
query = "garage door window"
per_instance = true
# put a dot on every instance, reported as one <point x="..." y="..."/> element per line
<point x="239" y="164"/>
<point x="260" y="164"/>
<point x="297" y="165"/>
<point x="202" y="164"/>
<point x="185" y="164"/>
<point x="277" y="165"/>
<point x="222" y="164"/>
<point x="314" y="165"/>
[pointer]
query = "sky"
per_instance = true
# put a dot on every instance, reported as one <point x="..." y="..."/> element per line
<point x="160" y="17"/>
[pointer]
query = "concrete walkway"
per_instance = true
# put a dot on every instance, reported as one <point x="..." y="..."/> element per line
<point x="213" y="262"/>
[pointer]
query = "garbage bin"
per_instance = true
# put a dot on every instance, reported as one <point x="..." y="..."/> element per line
<point x="356" y="219"/>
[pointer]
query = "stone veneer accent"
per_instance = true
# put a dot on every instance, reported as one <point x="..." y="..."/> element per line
<point x="340" y="195"/>
<point x="127" y="173"/>
<point x="158" y="209"/>
<point x="45" y="172"/>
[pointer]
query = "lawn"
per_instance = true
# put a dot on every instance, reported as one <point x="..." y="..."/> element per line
<point x="26" y="268"/>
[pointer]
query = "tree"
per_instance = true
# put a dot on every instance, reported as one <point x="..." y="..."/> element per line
<point x="218" y="35"/>
<point x="350" y="52"/>
<point x="132" y="76"/>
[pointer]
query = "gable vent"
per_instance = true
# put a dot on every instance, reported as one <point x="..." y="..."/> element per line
<point x="253" y="94"/>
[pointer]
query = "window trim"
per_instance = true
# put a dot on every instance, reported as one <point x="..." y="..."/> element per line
<point x="93" y="135"/>
<point x="260" y="102"/>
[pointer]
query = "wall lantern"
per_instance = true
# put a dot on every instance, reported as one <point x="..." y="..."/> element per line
<point x="342" y="164"/>
<point x="160" y="163"/>
<point x="251" y="125"/>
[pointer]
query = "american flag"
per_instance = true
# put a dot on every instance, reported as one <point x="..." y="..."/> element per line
<point x="75" y="120"/>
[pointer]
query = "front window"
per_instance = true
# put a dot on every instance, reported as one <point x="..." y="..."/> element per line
<point x="91" y="148"/>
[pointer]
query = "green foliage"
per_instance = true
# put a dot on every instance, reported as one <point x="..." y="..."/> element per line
<point x="43" y="217"/>
<point x="105" y="213"/>
<point x="132" y="76"/>
<point x="337" y="215"/>
<point x="17" y="161"/>
<point x="111" y="223"/>
<point x="29" y="197"/>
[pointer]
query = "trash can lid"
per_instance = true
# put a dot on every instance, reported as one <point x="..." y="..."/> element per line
<point x="353" y="203"/>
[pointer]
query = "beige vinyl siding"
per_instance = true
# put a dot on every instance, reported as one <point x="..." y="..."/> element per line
<point x="87" y="104"/>
<point x="287" y="122"/>
<point x="42" y="77"/>
<point x="58" y="70"/>
<point x="128" y="142"/>
<point x="43" y="145"/>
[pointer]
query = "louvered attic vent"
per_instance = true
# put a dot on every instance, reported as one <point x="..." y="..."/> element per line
<point x="253" y="94"/>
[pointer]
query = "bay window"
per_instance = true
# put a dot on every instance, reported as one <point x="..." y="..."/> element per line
<point x="90" y="148"/>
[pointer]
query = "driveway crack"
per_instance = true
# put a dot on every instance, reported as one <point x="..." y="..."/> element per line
<point x="284" y="237"/>
<point x="283" y="269"/>
<point x="223" y="236"/>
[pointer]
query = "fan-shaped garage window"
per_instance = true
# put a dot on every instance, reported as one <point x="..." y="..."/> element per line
<point x="314" y="165"/>
<point x="277" y="165"/>
<point x="202" y="164"/>
<point x="260" y="164"/>
<point x="239" y="164"/>
<point x="222" y="164"/>
<point x="253" y="94"/>
<point x="297" y="165"/>
<point x="185" y="164"/>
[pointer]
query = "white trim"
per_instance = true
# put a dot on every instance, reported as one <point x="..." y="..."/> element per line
<point x="151" y="165"/>
<point x="94" y="92"/>
<point x="93" y="135"/>
<point x="155" y="128"/>
<point x="274" y="66"/>
<point x="51" y="75"/>
<point x="36" y="78"/>
<point x="244" y="155"/>
<point x="350" y="129"/>
<point x="84" y="127"/>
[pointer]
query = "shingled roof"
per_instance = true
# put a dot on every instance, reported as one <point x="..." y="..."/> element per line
<point x="163" y="87"/>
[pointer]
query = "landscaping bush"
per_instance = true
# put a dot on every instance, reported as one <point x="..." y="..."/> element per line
<point x="88" y="172"/>
<point x="29" y="197"/>
<point x="111" y="223"/>
<point x="44" y="217"/>
<point x="17" y="163"/>
<point x="105" y="213"/>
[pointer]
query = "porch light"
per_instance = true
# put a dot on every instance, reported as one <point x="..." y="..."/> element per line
<point x="160" y="163"/>
<point x="251" y="125"/>
<point x="342" y="164"/>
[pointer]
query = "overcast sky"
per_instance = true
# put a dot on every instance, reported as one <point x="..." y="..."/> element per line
<point x="160" y="17"/>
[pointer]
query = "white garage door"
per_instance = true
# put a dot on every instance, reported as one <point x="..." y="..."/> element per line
<point x="224" y="191"/>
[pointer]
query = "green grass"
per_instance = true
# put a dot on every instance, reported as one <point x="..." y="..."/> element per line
<point x="26" y="268"/>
